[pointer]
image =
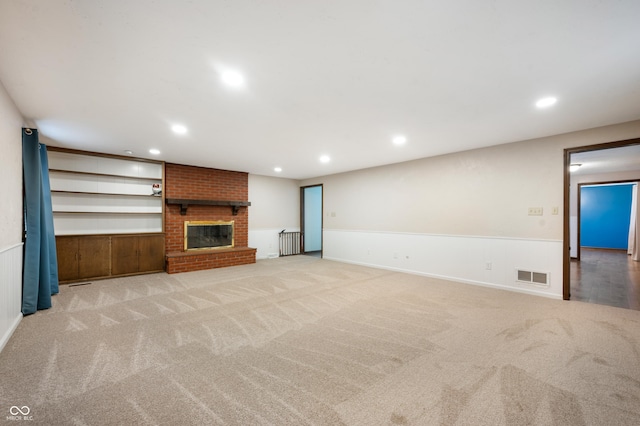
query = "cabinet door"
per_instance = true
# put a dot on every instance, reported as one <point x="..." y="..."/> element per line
<point x="93" y="254"/>
<point x="150" y="253"/>
<point x="124" y="255"/>
<point x="67" y="252"/>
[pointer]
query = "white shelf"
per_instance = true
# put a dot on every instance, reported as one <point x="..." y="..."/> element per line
<point x="108" y="203"/>
<point x="102" y="174"/>
<point x="103" y="212"/>
<point x="106" y="223"/>
<point x="102" y="184"/>
<point x="80" y="193"/>
<point x="104" y="195"/>
<point x="99" y="165"/>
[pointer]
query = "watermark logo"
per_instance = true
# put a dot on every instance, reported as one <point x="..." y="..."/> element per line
<point x="19" y="413"/>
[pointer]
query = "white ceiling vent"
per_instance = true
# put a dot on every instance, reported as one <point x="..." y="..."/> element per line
<point x="531" y="277"/>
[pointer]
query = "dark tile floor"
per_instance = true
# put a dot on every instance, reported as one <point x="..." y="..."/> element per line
<point x="606" y="277"/>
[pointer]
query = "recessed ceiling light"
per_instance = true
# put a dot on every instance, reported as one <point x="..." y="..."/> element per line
<point x="399" y="140"/>
<point x="277" y="169"/>
<point x="325" y="159"/>
<point x="154" y="151"/>
<point x="232" y="79"/>
<point x="128" y="152"/>
<point x="546" y="102"/>
<point x="574" y="167"/>
<point x="179" y="129"/>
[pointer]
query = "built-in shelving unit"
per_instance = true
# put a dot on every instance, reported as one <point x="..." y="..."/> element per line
<point x="98" y="193"/>
<point x="93" y="194"/>
<point x="107" y="219"/>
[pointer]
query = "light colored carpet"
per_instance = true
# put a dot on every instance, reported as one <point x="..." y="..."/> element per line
<point x="306" y="341"/>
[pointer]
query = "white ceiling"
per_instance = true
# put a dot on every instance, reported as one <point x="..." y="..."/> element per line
<point x="623" y="159"/>
<point x="339" y="78"/>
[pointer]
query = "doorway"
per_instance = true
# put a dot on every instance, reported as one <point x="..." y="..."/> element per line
<point x="602" y="272"/>
<point x="588" y="274"/>
<point x="311" y="202"/>
<point x="604" y="215"/>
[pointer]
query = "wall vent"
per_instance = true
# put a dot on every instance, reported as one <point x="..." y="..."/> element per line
<point x="532" y="277"/>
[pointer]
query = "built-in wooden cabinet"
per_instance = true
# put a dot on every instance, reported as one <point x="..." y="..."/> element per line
<point x="132" y="254"/>
<point x="124" y="259"/>
<point x="83" y="257"/>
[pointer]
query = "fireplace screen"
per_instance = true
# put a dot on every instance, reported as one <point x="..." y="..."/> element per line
<point x="206" y="235"/>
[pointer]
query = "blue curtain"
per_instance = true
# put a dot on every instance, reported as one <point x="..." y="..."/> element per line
<point x="40" y="274"/>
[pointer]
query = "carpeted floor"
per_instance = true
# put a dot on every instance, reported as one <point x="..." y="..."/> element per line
<point x="306" y="341"/>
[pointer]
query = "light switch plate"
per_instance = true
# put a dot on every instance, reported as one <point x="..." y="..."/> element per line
<point x="535" y="211"/>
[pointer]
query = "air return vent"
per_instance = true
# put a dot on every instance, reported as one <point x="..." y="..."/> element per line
<point x="531" y="277"/>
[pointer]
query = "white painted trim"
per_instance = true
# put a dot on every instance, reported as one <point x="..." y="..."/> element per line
<point x="453" y="279"/>
<point x="11" y="247"/>
<point x="443" y="235"/>
<point x="9" y="332"/>
<point x="489" y="262"/>
<point x="11" y="260"/>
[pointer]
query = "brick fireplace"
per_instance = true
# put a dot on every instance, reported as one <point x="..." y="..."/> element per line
<point x="205" y="188"/>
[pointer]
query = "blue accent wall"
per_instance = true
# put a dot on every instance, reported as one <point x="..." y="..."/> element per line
<point x="605" y="212"/>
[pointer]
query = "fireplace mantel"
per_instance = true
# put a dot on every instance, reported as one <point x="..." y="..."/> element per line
<point x="184" y="204"/>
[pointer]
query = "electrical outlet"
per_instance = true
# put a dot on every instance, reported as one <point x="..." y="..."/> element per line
<point x="535" y="211"/>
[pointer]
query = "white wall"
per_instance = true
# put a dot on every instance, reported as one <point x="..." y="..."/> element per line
<point x="457" y="215"/>
<point x="275" y="205"/>
<point x="11" y="123"/>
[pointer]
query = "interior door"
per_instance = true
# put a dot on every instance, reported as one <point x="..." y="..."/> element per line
<point x="312" y="218"/>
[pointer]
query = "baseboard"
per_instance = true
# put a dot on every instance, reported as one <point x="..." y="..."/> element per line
<point x="528" y="291"/>
<point x="485" y="261"/>
<point x="621" y="250"/>
<point x="7" y="335"/>
<point x="10" y="291"/>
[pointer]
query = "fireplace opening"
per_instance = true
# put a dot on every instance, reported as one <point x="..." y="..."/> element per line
<point x="206" y="235"/>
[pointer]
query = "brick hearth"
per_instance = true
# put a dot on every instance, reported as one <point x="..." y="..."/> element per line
<point x="188" y="182"/>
